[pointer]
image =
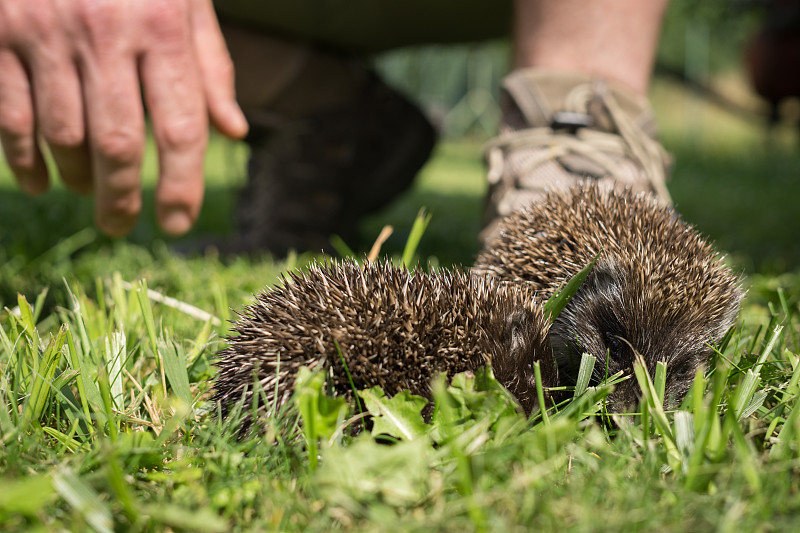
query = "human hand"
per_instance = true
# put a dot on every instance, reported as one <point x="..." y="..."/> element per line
<point x="72" y="75"/>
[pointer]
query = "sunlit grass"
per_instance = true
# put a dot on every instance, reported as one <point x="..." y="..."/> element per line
<point x="105" y="422"/>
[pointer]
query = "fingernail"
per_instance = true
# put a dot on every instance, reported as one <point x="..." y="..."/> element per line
<point x="239" y="125"/>
<point x="176" y="222"/>
<point x="32" y="185"/>
<point x="115" y="226"/>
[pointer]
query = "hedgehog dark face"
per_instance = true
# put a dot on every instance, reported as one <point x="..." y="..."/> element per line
<point x="613" y="316"/>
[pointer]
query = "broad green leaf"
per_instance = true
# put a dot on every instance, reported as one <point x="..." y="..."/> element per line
<point x="399" y="416"/>
<point x="181" y="518"/>
<point x="320" y="414"/>
<point x="366" y="472"/>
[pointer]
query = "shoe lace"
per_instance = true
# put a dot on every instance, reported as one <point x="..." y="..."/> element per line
<point x="599" y="147"/>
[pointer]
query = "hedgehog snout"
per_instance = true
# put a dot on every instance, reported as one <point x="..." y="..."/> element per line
<point x="585" y="329"/>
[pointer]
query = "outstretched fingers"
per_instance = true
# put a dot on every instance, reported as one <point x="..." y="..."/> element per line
<point x="71" y="76"/>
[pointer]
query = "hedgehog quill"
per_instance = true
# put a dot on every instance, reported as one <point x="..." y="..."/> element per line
<point x="658" y="287"/>
<point x="395" y="329"/>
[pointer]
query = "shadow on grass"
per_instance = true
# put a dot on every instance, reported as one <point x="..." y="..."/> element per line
<point x="41" y="239"/>
<point x="33" y="226"/>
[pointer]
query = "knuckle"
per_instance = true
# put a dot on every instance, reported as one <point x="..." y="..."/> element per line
<point x="63" y="135"/>
<point x="23" y="24"/>
<point x="121" y="146"/>
<point x="16" y="122"/>
<point x="125" y="206"/>
<point x="183" y="134"/>
<point x="99" y="23"/>
<point x="19" y="159"/>
<point x="181" y="192"/>
<point x="40" y="23"/>
<point x="166" y="19"/>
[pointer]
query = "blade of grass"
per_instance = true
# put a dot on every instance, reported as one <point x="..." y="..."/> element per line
<point x="660" y="380"/>
<point x="174" y="362"/>
<point x="415" y="236"/>
<point x="684" y="435"/>
<point x="199" y="344"/>
<point x="119" y="487"/>
<point x="385" y="233"/>
<point x="42" y="379"/>
<point x="745" y="453"/>
<point x="27" y="496"/>
<point x="107" y="403"/>
<point x="584" y="373"/>
<point x="84" y="500"/>
<point x="787" y="317"/>
<point x="68" y="442"/>
<point x="776" y="335"/>
<point x="559" y="300"/>
<point x="656" y="409"/>
<point x="788" y="434"/>
<point x="37" y="307"/>
<point x="537" y="372"/>
<point x="149" y="322"/>
<point x="27" y="321"/>
<point x="87" y="390"/>
<point x="342" y="248"/>
<point x="744" y="392"/>
<point x="353" y="388"/>
<point x="115" y="347"/>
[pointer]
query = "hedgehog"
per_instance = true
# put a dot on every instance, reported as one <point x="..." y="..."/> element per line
<point x="394" y="328"/>
<point x="658" y="287"/>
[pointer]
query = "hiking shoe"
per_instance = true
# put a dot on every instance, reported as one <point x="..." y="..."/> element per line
<point x="314" y="177"/>
<point x="562" y="128"/>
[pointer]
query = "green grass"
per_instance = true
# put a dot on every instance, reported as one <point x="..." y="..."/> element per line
<point x="105" y="423"/>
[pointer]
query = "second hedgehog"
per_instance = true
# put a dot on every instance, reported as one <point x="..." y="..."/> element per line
<point x="658" y="288"/>
<point x="395" y="329"/>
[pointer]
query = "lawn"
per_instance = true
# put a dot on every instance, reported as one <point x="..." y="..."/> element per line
<point x="105" y="421"/>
